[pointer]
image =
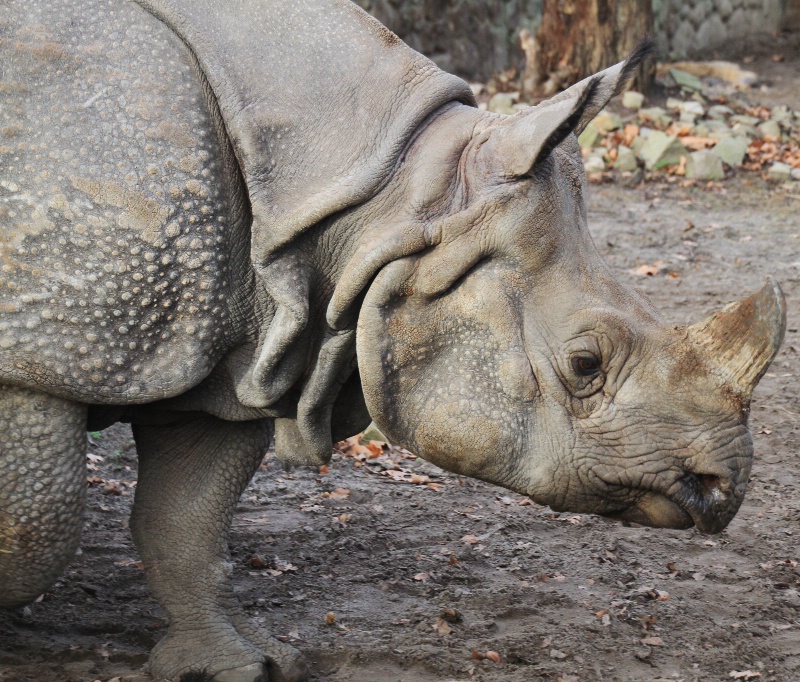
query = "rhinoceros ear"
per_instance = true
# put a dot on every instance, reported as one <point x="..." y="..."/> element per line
<point x="515" y="146"/>
<point x="530" y="136"/>
<point x="609" y="83"/>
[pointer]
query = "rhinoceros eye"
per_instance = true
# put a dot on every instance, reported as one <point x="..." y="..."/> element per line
<point x="585" y="365"/>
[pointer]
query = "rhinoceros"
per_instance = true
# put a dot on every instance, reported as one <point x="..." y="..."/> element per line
<point x="228" y="222"/>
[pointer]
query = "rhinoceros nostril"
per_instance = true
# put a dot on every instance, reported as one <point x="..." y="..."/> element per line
<point x="709" y="482"/>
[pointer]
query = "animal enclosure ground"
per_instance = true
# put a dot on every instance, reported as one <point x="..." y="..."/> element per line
<point x="557" y="596"/>
<point x="418" y="579"/>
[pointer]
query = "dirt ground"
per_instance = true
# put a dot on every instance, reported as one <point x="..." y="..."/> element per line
<point x="556" y="596"/>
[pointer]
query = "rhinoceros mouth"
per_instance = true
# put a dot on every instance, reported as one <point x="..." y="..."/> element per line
<point x="697" y="500"/>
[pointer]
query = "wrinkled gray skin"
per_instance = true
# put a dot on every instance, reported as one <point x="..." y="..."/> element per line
<point x="196" y="240"/>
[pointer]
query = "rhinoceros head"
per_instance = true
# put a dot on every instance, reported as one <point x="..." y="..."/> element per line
<point x="506" y="350"/>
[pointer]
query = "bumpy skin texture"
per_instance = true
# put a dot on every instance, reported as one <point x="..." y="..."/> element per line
<point x="189" y="239"/>
<point x="43" y="474"/>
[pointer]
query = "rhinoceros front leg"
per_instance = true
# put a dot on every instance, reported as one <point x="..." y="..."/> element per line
<point x="42" y="490"/>
<point x="191" y="475"/>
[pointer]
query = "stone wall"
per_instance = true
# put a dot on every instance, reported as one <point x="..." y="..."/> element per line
<point x="472" y="38"/>
<point x="685" y="27"/>
<point x="478" y="38"/>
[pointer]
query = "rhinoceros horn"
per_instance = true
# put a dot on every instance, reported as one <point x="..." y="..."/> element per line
<point x="743" y="338"/>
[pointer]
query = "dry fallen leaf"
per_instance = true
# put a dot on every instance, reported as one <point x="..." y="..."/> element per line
<point x="330" y="618"/>
<point x="470" y="539"/>
<point x="422" y="577"/>
<point x="441" y="627"/>
<point x="743" y="674"/>
<point x="340" y="494"/>
<point x="652" y="641"/>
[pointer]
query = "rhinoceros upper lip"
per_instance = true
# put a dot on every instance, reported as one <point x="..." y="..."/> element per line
<point x="707" y="499"/>
<point x="694" y="499"/>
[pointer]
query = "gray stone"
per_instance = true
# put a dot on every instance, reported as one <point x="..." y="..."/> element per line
<point x="779" y="172"/>
<point x="607" y="121"/>
<point x="656" y="116"/>
<point x="632" y="99"/>
<point x="590" y="136"/>
<point x="594" y="164"/>
<point x="719" y="111"/>
<point x="660" y="149"/>
<point x="746" y="120"/>
<point x="701" y="130"/>
<point x="704" y="165"/>
<point x="502" y="103"/>
<point x="795" y="173"/>
<point x="782" y="114"/>
<point x="626" y="159"/>
<point x="731" y="150"/>
<point x="692" y="107"/>
<point x="686" y="80"/>
<point x="769" y="129"/>
<point x="744" y="130"/>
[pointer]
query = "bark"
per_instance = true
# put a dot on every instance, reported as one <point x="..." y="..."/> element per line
<point x="580" y="37"/>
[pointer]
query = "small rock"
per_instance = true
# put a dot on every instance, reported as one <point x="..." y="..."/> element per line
<point x="632" y="99"/>
<point x="590" y="136"/>
<point x="744" y="130"/>
<point x="637" y="145"/>
<point x="719" y="112"/>
<point x="701" y="130"/>
<point x="782" y="114"/>
<point x="717" y="129"/>
<point x="692" y="107"/>
<point x="632" y="179"/>
<point x="704" y="165"/>
<point x="626" y="159"/>
<point x="555" y="653"/>
<point x="606" y="121"/>
<point x="746" y="120"/>
<point x="769" y="129"/>
<point x="502" y="103"/>
<point x="779" y="172"/>
<point x="686" y="80"/>
<point x="731" y="150"/>
<point x="795" y="173"/>
<point x="660" y="149"/>
<point x="594" y="164"/>
<point x="655" y="115"/>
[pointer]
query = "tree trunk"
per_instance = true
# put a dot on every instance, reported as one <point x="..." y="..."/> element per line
<point x="580" y="37"/>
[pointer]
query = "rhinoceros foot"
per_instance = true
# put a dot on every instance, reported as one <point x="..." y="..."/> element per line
<point x="284" y="662"/>
<point x="208" y="652"/>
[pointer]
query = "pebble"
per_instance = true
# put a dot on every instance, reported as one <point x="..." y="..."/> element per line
<point x="590" y="136"/>
<point x="779" y="172"/>
<point x="686" y="80"/>
<point x="731" y="150"/>
<point x="502" y="103"/>
<point x="704" y="165"/>
<point x="719" y="111"/>
<point x="607" y="121"/>
<point x="626" y="159"/>
<point x="769" y="129"/>
<point x="632" y="99"/>
<point x="655" y="115"/>
<point x="594" y="164"/>
<point x="795" y="173"/>
<point x="660" y="149"/>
